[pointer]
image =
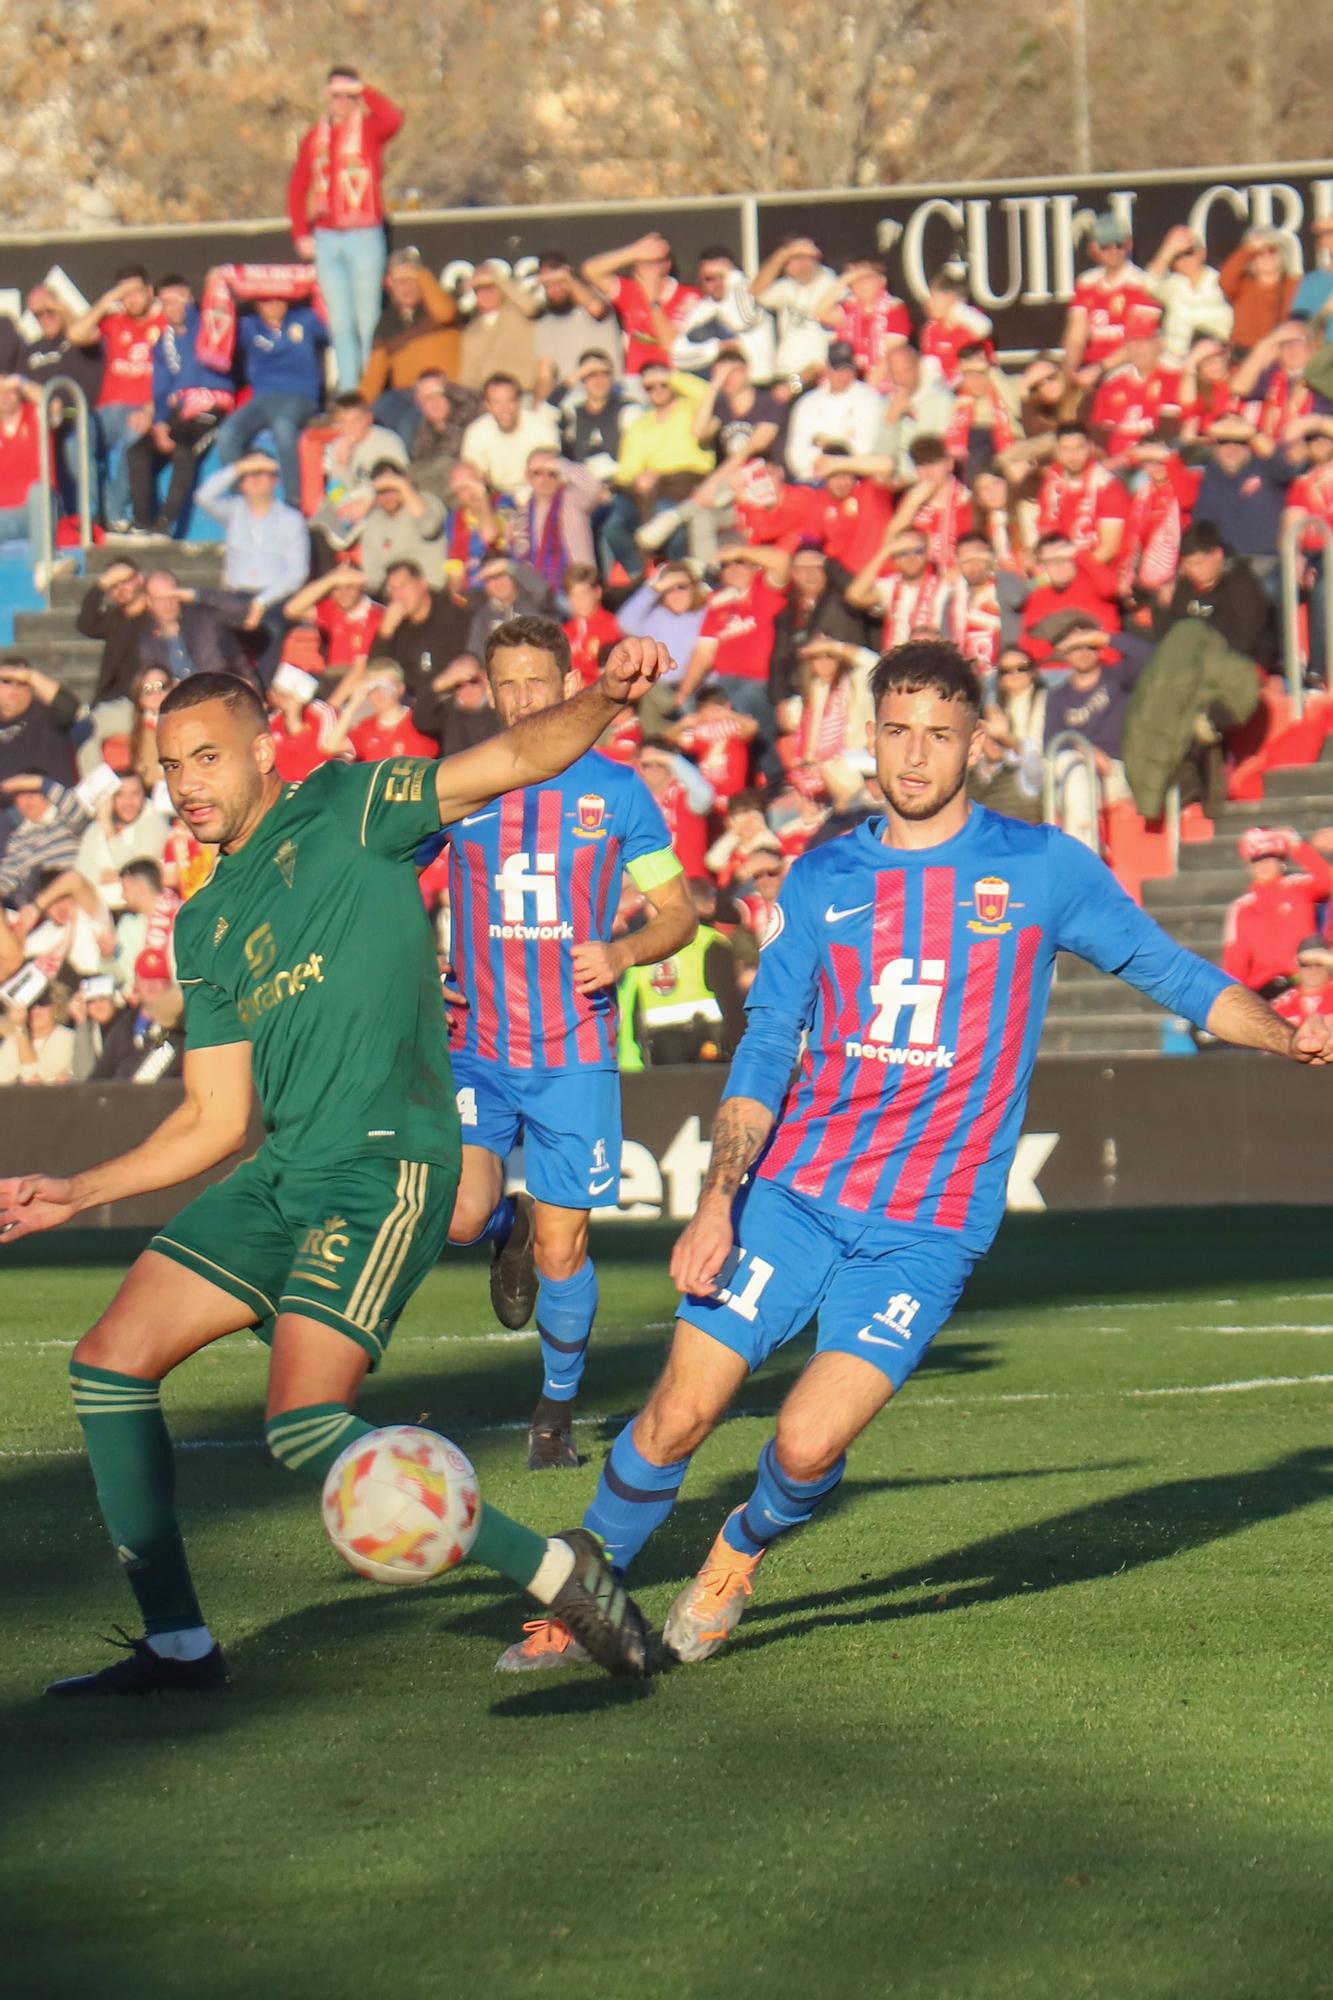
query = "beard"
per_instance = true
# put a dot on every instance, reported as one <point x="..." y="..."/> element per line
<point x="924" y="805"/>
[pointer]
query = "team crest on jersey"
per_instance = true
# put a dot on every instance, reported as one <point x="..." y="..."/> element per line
<point x="285" y="861"/>
<point x="220" y="929"/>
<point x="990" y="897"/>
<point x="592" y="812"/>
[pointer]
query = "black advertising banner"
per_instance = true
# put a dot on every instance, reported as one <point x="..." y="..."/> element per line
<point x="1216" y="1130"/>
<point x="452" y="242"/>
<point x="1021" y="245"/>
<point x="1021" y="241"/>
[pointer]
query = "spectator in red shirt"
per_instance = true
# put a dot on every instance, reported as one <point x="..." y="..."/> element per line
<point x="650" y="302"/>
<point x="865" y="314"/>
<point x="389" y="731"/>
<point x="1083" y="501"/>
<point x="937" y="504"/>
<point x="589" y="626"/>
<point x="856" y="511"/>
<point x="771" y="514"/>
<point x="718" y="739"/>
<point x="335" y="203"/>
<point x="1266" y="926"/>
<point x="952" y="324"/>
<point x="1206" y="394"/>
<point x="343" y="613"/>
<point x="735" y="643"/>
<point x="308" y="732"/>
<point x="1313" y="991"/>
<point x="125" y="325"/>
<point x="1095" y="324"/>
<point x="1139" y="395"/>
<point x="23" y="475"/>
<point x="684" y="813"/>
<point x="1062" y="584"/>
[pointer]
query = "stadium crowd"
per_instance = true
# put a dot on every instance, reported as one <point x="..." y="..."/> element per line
<point x="779" y="475"/>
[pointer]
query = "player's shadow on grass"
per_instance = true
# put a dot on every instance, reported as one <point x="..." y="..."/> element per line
<point x="1084" y="1545"/>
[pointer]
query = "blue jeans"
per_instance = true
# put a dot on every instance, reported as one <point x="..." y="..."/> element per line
<point x="286" y="417"/>
<point x="616" y="533"/>
<point x="111" y="435"/>
<point x="397" y="410"/>
<point x="350" y="263"/>
<point x="25" y="522"/>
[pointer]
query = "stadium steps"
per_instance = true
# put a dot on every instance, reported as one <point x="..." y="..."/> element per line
<point x="50" y="641"/>
<point x="1091" y="1014"/>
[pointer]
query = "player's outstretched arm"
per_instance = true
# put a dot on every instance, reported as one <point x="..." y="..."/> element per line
<point x="743" y="1124"/>
<point x="1243" y="1019"/>
<point x="209" y="1125"/>
<point x="542" y="746"/>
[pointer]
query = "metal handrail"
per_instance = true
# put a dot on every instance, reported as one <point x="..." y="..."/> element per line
<point x="1053" y="783"/>
<point x="1292" y="535"/>
<point x="70" y="393"/>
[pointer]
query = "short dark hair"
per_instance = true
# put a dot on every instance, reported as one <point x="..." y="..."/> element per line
<point x="544" y="635"/>
<point x="927" y="665"/>
<point x="554" y="259"/>
<point x="127" y="271"/>
<point x="1047" y="541"/>
<point x="383" y="465"/>
<point x="578" y="572"/>
<point x="351" y="399"/>
<point x="972" y="348"/>
<point x="715" y="250"/>
<point x="341" y="69"/>
<point x="174" y="278"/>
<point x="229" y="689"/>
<point x="144" y="869"/>
<point x="974" y="535"/>
<point x="927" y="449"/>
<point x="1202" y="538"/>
<point x="501" y="379"/>
<point x="1072" y="429"/>
<point x="596" y="354"/>
<point x="406" y="563"/>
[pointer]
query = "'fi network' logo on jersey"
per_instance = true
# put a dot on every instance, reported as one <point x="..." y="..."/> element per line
<point x="516" y="881"/>
<point x="896" y="991"/>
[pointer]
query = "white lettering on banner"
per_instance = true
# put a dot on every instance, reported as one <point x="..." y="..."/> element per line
<point x="1033" y="1151"/>
<point x="916" y="265"/>
<point x="896" y="988"/>
<point x="516" y="880"/>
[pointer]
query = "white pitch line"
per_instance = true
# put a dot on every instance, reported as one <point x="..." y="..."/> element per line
<point x="1275" y="1326"/>
<point x="737" y="1416"/>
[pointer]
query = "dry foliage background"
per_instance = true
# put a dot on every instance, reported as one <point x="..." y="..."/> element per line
<point x="125" y="111"/>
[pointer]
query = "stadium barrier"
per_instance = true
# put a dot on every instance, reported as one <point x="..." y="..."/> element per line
<point x="1219" y="1129"/>
<point x="65" y="389"/>
<point x="1070" y="756"/>
<point x="1290" y="539"/>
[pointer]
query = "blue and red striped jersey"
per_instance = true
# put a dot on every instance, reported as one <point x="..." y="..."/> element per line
<point x="922" y="976"/>
<point x="530" y="876"/>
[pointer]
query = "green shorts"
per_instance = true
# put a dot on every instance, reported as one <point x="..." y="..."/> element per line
<point x="346" y="1244"/>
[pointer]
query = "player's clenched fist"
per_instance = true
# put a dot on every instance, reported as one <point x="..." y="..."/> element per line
<point x="32" y="1202"/>
<point x="701" y="1251"/>
<point x="633" y="666"/>
<point x="1313" y="1040"/>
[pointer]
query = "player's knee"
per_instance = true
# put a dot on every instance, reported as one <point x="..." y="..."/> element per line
<point x="119" y="1345"/>
<point x="559" y="1249"/>
<point x="808" y="1447"/>
<point x="470" y="1216"/>
<point x="671" y="1427"/>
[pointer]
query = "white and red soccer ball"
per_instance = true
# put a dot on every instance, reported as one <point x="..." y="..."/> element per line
<point x="402" y="1505"/>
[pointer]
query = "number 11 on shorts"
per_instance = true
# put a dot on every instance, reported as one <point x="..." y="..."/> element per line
<point x="743" y="1299"/>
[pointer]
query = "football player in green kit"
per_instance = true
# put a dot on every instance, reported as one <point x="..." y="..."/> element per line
<point x="309" y="974"/>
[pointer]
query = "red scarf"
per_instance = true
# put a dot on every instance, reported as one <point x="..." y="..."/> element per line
<point x="342" y="178"/>
<point x="546" y="551"/>
<point x="1057" y="489"/>
<point x="965" y="419"/>
<point x="1151" y="548"/>
<point x="1283" y="399"/>
<point x="829" y="737"/>
<point x="974" y="616"/>
<point x="226" y="283"/>
<point x="907" y="605"/>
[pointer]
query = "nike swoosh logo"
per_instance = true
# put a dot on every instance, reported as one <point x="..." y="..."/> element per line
<point x="599" y="1187"/>
<point x="877" y="1339"/>
<point x="475" y="819"/>
<point x="832" y="916"/>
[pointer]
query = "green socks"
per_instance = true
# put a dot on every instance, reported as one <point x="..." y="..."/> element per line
<point x="135" y="1473"/>
<point x="309" y="1440"/>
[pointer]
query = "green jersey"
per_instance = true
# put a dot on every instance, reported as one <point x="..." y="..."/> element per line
<point x="312" y="943"/>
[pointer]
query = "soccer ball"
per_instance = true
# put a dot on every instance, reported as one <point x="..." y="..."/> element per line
<point x="402" y="1505"/>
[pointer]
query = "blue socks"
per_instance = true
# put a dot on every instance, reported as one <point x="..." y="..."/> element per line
<point x="778" y="1504"/>
<point x="566" y="1308"/>
<point x="633" y="1499"/>
<point x="498" y="1224"/>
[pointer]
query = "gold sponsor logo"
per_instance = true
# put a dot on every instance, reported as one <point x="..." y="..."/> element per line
<point x="326" y="1244"/>
<point x="260" y="950"/>
<point x="271" y="993"/>
<point x="404" y="781"/>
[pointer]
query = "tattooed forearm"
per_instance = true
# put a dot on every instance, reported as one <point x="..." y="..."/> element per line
<point x="742" y="1126"/>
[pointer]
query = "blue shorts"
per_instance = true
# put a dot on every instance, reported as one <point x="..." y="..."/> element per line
<point x="882" y="1298"/>
<point x="568" y="1120"/>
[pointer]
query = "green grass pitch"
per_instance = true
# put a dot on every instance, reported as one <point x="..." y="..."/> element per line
<point x="1039" y="1709"/>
